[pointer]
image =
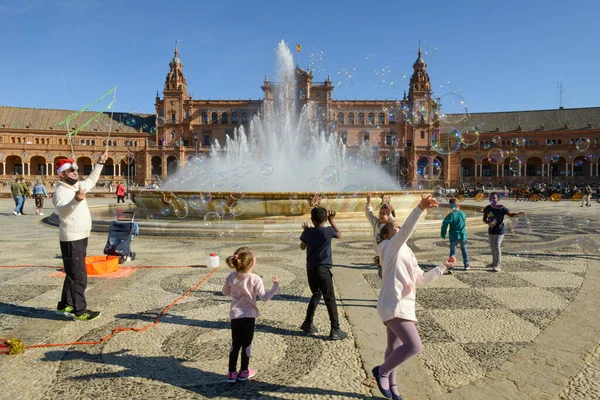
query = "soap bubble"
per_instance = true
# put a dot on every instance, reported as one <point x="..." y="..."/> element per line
<point x="237" y="191"/>
<point x="496" y="139"/>
<point x="160" y="121"/>
<point x="329" y="175"/>
<point x="212" y="218"/>
<point x="313" y="182"/>
<point x="293" y="168"/>
<point x="392" y="157"/>
<point x="165" y="211"/>
<point x="130" y="121"/>
<point x="470" y="136"/>
<point x="578" y="163"/>
<point x="220" y="205"/>
<point x="353" y="165"/>
<point x="391" y="106"/>
<point x="351" y="191"/>
<point x="496" y="156"/>
<point x="555" y="159"/>
<point x="453" y="108"/>
<point x="404" y="171"/>
<point x="514" y="165"/>
<point x="520" y="225"/>
<point x="240" y="171"/>
<point x="195" y="201"/>
<point x="582" y="144"/>
<point x="295" y="204"/>
<point x="590" y="157"/>
<point x="237" y="208"/>
<point x="153" y="129"/>
<point x="430" y="171"/>
<point x="446" y="140"/>
<point x="267" y="170"/>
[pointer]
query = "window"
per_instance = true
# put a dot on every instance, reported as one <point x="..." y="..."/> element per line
<point x="340" y="118"/>
<point x="87" y="142"/>
<point x="559" y="141"/>
<point x="344" y="137"/>
<point x="173" y="119"/>
<point x="466" y="171"/>
<point x="214" y="118"/>
<point x="366" y="135"/>
<point x="206" y="137"/>
<point x="572" y="141"/>
<point x="409" y="143"/>
<point x="389" y="139"/>
<point x="244" y="118"/>
<point x="486" y="170"/>
<point x="351" y="119"/>
<point x="361" y="119"/>
<point x="224" y="118"/>
<point x="381" y="118"/>
<point x="204" y="118"/>
<point x="318" y="95"/>
<point x="422" y="134"/>
<point x="595" y="140"/>
<point x="371" y="119"/>
<point x="93" y="142"/>
<point x="392" y="119"/>
<point x="535" y="142"/>
<point x="234" y="118"/>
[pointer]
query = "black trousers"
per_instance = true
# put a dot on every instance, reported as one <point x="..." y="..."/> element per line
<point x="73" y="293"/>
<point x="120" y="199"/>
<point x="320" y="281"/>
<point x="242" y="333"/>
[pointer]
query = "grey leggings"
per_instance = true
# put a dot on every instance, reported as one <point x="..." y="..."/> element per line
<point x="403" y="342"/>
<point x="496" y="246"/>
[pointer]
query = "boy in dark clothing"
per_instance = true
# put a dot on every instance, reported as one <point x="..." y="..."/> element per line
<point x="317" y="242"/>
<point x="493" y="216"/>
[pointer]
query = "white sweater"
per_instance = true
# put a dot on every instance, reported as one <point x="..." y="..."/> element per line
<point x="400" y="273"/>
<point x="376" y="225"/>
<point x="75" y="218"/>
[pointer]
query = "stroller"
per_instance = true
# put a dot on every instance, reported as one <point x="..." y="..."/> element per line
<point x="120" y="235"/>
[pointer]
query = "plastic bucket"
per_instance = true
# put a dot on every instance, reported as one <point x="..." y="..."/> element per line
<point x="99" y="265"/>
<point x="212" y="261"/>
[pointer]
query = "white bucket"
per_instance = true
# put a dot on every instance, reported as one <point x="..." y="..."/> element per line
<point x="212" y="261"/>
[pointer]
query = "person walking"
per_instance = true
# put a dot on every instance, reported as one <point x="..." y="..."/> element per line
<point x="17" y="191"/>
<point x="456" y="220"/>
<point x="39" y="192"/>
<point x="26" y="194"/>
<point x="586" y="196"/>
<point x="73" y="232"/>
<point x="120" y="193"/>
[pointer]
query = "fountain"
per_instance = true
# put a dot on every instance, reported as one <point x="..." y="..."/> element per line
<point x="283" y="166"/>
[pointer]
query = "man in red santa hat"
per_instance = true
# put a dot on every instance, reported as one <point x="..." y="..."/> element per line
<point x="73" y="232"/>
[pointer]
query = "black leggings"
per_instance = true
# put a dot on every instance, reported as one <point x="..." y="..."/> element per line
<point x="242" y="333"/>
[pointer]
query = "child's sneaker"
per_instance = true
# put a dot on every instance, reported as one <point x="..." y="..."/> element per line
<point x="245" y="375"/>
<point x="232" y="377"/>
<point x="67" y="311"/>
<point x="87" y="316"/>
<point x="497" y="268"/>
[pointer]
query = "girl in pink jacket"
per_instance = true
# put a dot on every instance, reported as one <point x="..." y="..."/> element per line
<point x="396" y="303"/>
<point x="243" y="286"/>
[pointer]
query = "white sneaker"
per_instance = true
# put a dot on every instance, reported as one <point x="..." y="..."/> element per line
<point x="16" y="213"/>
<point x="497" y="268"/>
<point x="41" y="213"/>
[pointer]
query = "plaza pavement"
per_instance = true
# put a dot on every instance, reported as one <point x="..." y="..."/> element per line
<point x="529" y="332"/>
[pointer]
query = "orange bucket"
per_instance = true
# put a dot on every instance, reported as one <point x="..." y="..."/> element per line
<point x="99" y="265"/>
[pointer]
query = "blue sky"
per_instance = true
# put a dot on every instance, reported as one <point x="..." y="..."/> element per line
<point x="501" y="56"/>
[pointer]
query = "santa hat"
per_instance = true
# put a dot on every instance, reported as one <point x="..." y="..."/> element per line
<point x="64" y="164"/>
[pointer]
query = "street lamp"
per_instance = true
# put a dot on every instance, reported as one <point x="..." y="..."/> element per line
<point x="196" y="142"/>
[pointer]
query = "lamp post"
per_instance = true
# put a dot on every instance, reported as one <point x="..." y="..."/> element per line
<point x="196" y="142"/>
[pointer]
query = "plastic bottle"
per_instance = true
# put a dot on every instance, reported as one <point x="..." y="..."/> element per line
<point x="212" y="261"/>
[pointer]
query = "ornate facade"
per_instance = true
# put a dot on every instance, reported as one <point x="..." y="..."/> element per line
<point x="148" y="147"/>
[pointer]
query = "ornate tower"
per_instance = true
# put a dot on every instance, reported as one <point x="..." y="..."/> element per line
<point x="419" y="94"/>
<point x="175" y="106"/>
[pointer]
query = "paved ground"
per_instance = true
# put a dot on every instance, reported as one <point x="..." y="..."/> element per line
<point x="530" y="331"/>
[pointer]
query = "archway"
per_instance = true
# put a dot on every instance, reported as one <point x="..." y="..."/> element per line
<point x="109" y="167"/>
<point x="156" y="166"/>
<point x="467" y="167"/>
<point x="37" y="166"/>
<point x="581" y="167"/>
<point x="534" y="166"/>
<point x="558" y="166"/>
<point x="14" y="165"/>
<point x="85" y="165"/>
<point x="488" y="169"/>
<point x="172" y="165"/>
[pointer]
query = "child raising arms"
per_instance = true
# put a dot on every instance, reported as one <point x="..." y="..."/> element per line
<point x="243" y="286"/>
<point x="386" y="214"/>
<point x="396" y="303"/>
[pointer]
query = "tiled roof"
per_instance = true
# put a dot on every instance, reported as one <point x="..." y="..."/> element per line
<point x="568" y="119"/>
<point x="48" y="119"/>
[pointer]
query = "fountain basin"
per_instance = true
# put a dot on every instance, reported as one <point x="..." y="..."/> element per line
<point x="253" y="205"/>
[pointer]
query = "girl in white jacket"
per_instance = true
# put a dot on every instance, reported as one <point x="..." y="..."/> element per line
<point x="396" y="303"/>
<point x="386" y="214"/>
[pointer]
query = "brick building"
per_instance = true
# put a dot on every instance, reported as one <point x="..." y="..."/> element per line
<point x="147" y="146"/>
